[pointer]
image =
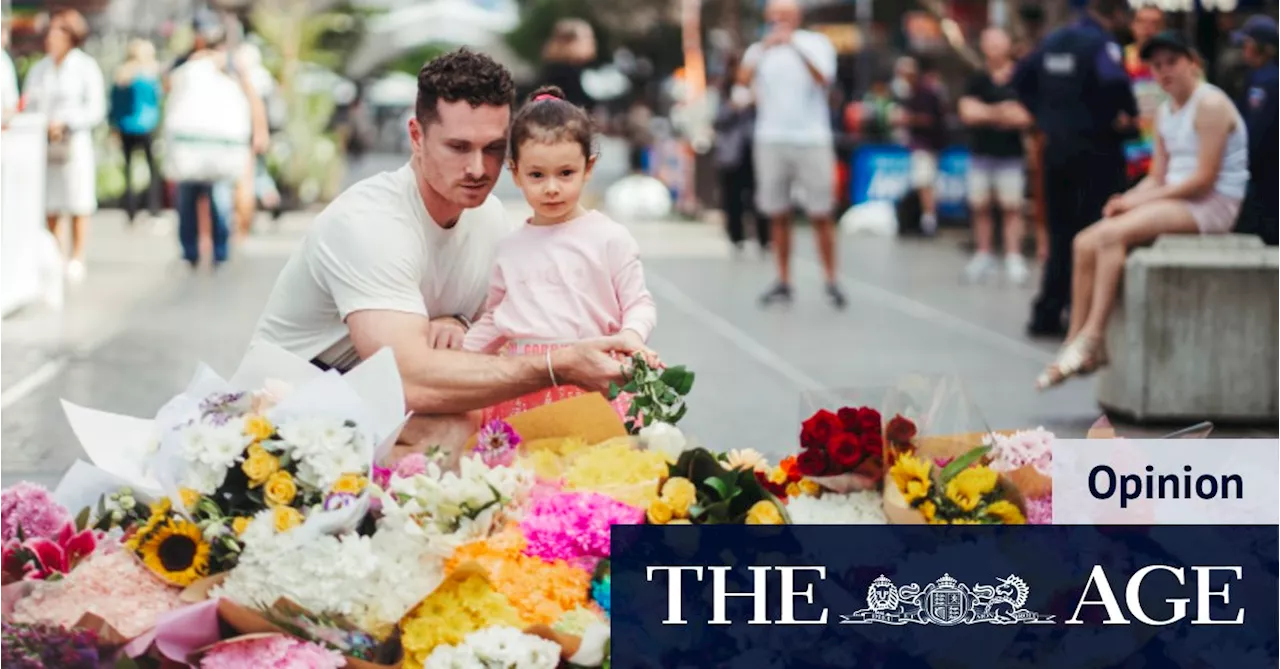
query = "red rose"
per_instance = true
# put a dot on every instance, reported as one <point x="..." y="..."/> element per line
<point x="846" y="451"/>
<point x="849" y="419"/>
<point x="868" y="421"/>
<point x="819" y="429"/>
<point x="900" y="431"/>
<point x="779" y="491"/>
<point x="873" y="444"/>
<point x="812" y="462"/>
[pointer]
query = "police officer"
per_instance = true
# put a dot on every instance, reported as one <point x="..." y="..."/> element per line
<point x="1258" y="40"/>
<point x="1076" y="87"/>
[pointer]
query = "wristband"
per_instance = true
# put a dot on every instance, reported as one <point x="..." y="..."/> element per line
<point x="466" y="322"/>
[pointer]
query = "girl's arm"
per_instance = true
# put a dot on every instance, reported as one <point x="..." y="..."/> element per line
<point x="484" y="336"/>
<point x="639" y="314"/>
<point x="1215" y="117"/>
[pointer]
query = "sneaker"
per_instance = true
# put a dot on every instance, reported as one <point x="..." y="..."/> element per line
<point x="836" y="296"/>
<point x="1015" y="269"/>
<point x="75" y="271"/>
<point x="780" y="292"/>
<point x="981" y="266"/>
<point x="929" y="224"/>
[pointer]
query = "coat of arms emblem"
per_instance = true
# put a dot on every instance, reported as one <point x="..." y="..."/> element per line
<point x="947" y="602"/>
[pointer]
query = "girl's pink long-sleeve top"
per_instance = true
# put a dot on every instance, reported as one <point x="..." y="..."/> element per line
<point x="562" y="283"/>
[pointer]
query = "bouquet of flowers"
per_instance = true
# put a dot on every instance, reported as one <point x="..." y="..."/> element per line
<point x="574" y="525"/>
<point x="700" y="490"/>
<point x="464" y="603"/>
<point x="962" y="492"/>
<point x="497" y="647"/>
<point x="844" y="450"/>
<point x="38" y="558"/>
<point x="657" y="394"/>
<point x="273" y="650"/>
<point x="36" y="646"/>
<point x="1026" y="457"/>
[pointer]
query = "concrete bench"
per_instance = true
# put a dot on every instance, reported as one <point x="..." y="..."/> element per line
<point x="1194" y="333"/>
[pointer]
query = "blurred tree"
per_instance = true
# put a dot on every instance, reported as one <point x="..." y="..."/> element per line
<point x="413" y="61"/>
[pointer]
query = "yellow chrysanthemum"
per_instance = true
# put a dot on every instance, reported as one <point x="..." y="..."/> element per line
<point x="286" y="518"/>
<point x="764" y="512"/>
<point x="1005" y="512"/>
<point x="613" y="465"/>
<point x="280" y="489"/>
<point x="258" y="427"/>
<point x="681" y="494"/>
<point x="778" y="476"/>
<point x="351" y="484"/>
<point x="458" y="607"/>
<point x="240" y="524"/>
<point x="911" y="475"/>
<point x="659" y="512"/>
<point x="259" y="465"/>
<point x="966" y="489"/>
<point x="176" y="552"/>
<point x="189" y="497"/>
<point x="808" y="487"/>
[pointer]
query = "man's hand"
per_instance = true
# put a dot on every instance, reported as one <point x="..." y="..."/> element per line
<point x="633" y="340"/>
<point x="446" y="332"/>
<point x="593" y="364"/>
<point x="777" y="37"/>
<point x="57" y="131"/>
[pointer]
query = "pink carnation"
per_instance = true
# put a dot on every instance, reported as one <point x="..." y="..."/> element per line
<point x="31" y="506"/>
<point x="412" y="464"/>
<point x="573" y="525"/>
<point x="273" y="652"/>
<point x="112" y="584"/>
<point x="1040" y="510"/>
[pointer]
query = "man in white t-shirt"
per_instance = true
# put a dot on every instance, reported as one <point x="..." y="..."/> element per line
<point x="403" y="260"/>
<point x="790" y="71"/>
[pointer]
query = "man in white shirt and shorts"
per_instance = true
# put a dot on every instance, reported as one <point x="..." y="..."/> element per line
<point x="403" y="260"/>
<point x="790" y="71"/>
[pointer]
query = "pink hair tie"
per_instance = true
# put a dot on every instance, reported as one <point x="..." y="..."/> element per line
<point x="546" y="96"/>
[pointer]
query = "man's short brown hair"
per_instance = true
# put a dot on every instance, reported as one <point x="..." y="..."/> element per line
<point x="463" y="75"/>
<point x="73" y="23"/>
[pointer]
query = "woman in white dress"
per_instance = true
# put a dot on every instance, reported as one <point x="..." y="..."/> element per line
<point x="67" y="87"/>
<point x="1198" y="175"/>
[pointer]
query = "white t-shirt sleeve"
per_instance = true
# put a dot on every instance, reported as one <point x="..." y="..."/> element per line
<point x="751" y="57"/>
<point x="369" y="267"/>
<point x="817" y="49"/>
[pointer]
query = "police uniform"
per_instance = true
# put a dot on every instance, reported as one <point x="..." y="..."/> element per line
<point x="1076" y="86"/>
<point x="1261" y="110"/>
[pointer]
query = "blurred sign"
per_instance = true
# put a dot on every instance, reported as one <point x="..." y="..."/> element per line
<point x="845" y="37"/>
<point x="882" y="173"/>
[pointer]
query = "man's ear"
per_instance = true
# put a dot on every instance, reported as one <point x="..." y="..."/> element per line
<point x="416" y="133"/>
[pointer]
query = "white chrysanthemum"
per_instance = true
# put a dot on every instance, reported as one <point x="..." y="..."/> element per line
<point x="325" y="449"/>
<point x="856" y="508"/>
<point x="496" y="647"/>
<point x="203" y="478"/>
<point x="217" y="446"/>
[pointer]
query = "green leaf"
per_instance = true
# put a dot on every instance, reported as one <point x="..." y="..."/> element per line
<point x="678" y="379"/>
<point x="82" y="520"/>
<point x="696" y="511"/>
<point x="614" y="391"/>
<point x="963" y="462"/>
<point x="126" y="663"/>
<point x="717" y="484"/>
<point x="631" y="387"/>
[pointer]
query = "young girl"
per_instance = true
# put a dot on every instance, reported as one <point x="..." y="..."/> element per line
<point x="569" y="273"/>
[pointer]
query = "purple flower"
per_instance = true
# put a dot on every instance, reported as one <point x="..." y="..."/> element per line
<point x="32" y="507"/>
<point x="338" y="500"/>
<point x="496" y="444"/>
<point x="40" y="646"/>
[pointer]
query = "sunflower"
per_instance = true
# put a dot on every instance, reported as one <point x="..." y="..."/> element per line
<point x="1005" y="512"/>
<point x="176" y="552"/>
<point x="912" y="476"/>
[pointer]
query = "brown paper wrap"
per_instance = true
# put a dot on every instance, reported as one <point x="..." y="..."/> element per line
<point x="939" y="447"/>
<point x="250" y="622"/>
<point x="588" y="416"/>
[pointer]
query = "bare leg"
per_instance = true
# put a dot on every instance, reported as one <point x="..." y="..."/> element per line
<point x="782" y="246"/>
<point x="1120" y="234"/>
<point x="1014" y="230"/>
<point x="52" y="222"/>
<point x="824" y="229"/>
<point x="983" y="228"/>
<point x="928" y="204"/>
<point x="79" y="235"/>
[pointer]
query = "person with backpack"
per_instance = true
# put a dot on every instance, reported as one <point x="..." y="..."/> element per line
<point x="134" y="116"/>
<point x="215" y="121"/>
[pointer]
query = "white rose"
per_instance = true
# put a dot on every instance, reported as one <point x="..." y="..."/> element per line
<point x="664" y="438"/>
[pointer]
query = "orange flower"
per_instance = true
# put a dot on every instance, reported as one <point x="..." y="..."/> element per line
<point x="541" y="591"/>
<point x="788" y="465"/>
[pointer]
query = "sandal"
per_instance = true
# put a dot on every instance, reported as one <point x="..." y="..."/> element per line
<point x="1083" y="356"/>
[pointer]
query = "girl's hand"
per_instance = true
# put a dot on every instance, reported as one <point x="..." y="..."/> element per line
<point x="1117" y="205"/>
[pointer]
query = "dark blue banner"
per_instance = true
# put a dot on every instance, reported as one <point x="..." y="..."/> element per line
<point x="986" y="597"/>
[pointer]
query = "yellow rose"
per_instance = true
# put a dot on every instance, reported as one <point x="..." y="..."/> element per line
<point x="929" y="510"/>
<point x="911" y="475"/>
<point x="810" y="488"/>
<point x="968" y="487"/>
<point x="1005" y="513"/>
<point x="778" y="476"/>
<point x="258" y="427"/>
<point x="680" y="494"/>
<point x="660" y="512"/>
<point x="966" y="521"/>
<point x="286" y="518"/>
<point x="259" y="465"/>
<point x="764" y="513"/>
<point x="240" y="524"/>
<point x="280" y="489"/>
<point x="680" y="521"/>
<point x="351" y="484"/>
<point x="189" y="497"/>
<point x="793" y="490"/>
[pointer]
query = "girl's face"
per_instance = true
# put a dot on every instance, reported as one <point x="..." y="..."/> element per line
<point x="552" y="176"/>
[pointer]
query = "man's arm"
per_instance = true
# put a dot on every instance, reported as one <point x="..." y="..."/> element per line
<point x="819" y="58"/>
<point x="747" y="68"/>
<point x="974" y="112"/>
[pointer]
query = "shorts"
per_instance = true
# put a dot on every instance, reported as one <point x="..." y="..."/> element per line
<point x="807" y="172"/>
<point x="1005" y="177"/>
<point x="1214" y="213"/>
<point x="924" y="168"/>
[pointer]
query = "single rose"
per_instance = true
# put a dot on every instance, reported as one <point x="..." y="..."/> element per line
<point x="846" y="451"/>
<point x="868" y="421"/>
<point x="286" y="518"/>
<point x="258" y="427"/>
<point x="280" y="489"/>
<point x="813" y="462"/>
<point x="764" y="512"/>
<point x="260" y="465"/>
<point x="351" y="484"/>
<point x="900" y="431"/>
<point x="848" y="419"/>
<point x="819" y="429"/>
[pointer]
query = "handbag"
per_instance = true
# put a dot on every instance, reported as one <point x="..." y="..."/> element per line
<point x="207" y="127"/>
<point x="59" y="152"/>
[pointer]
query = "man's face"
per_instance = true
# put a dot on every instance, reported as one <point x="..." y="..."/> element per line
<point x="1252" y="53"/>
<point x="460" y="154"/>
<point x="995" y="44"/>
<point x="1146" y="23"/>
<point x="784" y="14"/>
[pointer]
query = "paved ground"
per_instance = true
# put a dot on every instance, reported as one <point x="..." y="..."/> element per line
<point x="132" y="334"/>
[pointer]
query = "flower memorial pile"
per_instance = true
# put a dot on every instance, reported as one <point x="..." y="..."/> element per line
<point x="842" y="451"/>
